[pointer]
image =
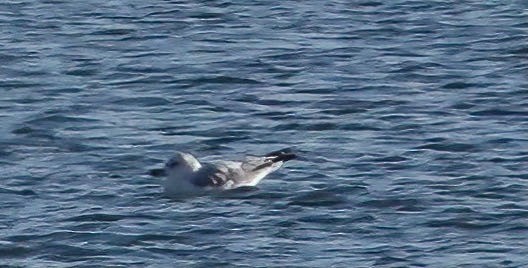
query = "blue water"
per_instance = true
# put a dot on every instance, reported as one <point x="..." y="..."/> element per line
<point x="411" y="118"/>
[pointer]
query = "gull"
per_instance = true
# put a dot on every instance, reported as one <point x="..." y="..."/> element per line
<point x="185" y="174"/>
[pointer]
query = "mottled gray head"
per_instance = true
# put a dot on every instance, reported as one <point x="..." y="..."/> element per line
<point x="182" y="163"/>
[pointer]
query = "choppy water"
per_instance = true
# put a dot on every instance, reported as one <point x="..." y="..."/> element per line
<point x="412" y="117"/>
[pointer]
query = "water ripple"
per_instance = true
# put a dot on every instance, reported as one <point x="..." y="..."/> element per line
<point x="409" y="116"/>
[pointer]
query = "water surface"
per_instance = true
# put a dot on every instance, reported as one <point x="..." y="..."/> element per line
<point x="412" y="118"/>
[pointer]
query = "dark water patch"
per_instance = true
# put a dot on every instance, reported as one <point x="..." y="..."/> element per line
<point x="343" y="111"/>
<point x="64" y="253"/>
<point x="23" y="130"/>
<point x="407" y="127"/>
<point x="288" y="126"/>
<point x="162" y="13"/>
<point x="207" y="15"/>
<point x="523" y="176"/>
<point x="360" y="127"/>
<point x="272" y="102"/>
<point x="395" y="117"/>
<point x="463" y="106"/>
<point x="360" y="104"/>
<point x="523" y="51"/>
<point x="215" y="133"/>
<point x="112" y="32"/>
<point x="464" y="224"/>
<point x="391" y="159"/>
<point x="23" y="192"/>
<point x="82" y="72"/>
<point x="195" y="102"/>
<point x="499" y="112"/>
<point x="12" y="85"/>
<point x="319" y="126"/>
<point x="284" y="55"/>
<point x="399" y="204"/>
<point x="169" y="129"/>
<point x="286" y="224"/>
<point x="491" y="195"/>
<point x="67" y="90"/>
<point x="318" y="90"/>
<point x="459" y="85"/>
<point x="48" y="137"/>
<point x="102" y="217"/>
<point x="517" y="228"/>
<point x="13" y="72"/>
<point x="10" y="251"/>
<point x="317" y="198"/>
<point x="489" y="248"/>
<point x="33" y="101"/>
<point x="223" y="80"/>
<point x="205" y="231"/>
<point x="259" y="194"/>
<point x="449" y="147"/>
<point x="56" y="119"/>
<point x="145" y="238"/>
<point x="512" y="214"/>
<point x="7" y="58"/>
<point x="126" y="80"/>
<point x="96" y="195"/>
<point x="242" y="193"/>
<point x="147" y="54"/>
<point x="276" y="115"/>
<point x="96" y="217"/>
<point x="436" y="139"/>
<point x="350" y="189"/>
<point x="218" y="109"/>
<point x="149" y="37"/>
<point x="389" y="260"/>
<point x="142" y="101"/>
<point x="135" y="69"/>
<point x="171" y="251"/>
<point x="370" y="4"/>
<point x="459" y="210"/>
<point x="325" y="219"/>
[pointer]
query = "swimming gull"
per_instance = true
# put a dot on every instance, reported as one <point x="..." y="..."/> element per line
<point x="185" y="174"/>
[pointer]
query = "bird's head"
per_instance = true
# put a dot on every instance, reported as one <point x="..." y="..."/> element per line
<point x="182" y="163"/>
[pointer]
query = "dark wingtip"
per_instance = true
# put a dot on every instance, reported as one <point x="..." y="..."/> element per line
<point x="282" y="155"/>
<point x="285" y="157"/>
<point x="280" y="152"/>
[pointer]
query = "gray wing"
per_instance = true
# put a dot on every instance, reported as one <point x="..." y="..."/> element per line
<point x="269" y="162"/>
<point x="254" y="164"/>
<point x="217" y="174"/>
<point x="229" y="174"/>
